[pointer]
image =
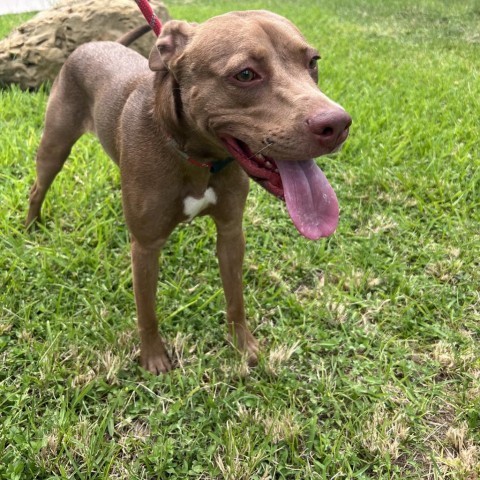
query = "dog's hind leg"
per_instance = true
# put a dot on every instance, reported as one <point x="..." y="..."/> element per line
<point x="63" y="127"/>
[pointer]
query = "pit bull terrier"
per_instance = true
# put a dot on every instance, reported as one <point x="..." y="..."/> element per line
<point x="216" y="103"/>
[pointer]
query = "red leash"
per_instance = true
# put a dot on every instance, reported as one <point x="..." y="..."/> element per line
<point x="150" y="16"/>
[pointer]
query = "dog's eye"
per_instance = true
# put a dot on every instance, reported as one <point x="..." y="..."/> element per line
<point x="246" y="75"/>
<point x="313" y="64"/>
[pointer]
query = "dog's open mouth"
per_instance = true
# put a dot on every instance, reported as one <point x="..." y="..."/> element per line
<point x="311" y="201"/>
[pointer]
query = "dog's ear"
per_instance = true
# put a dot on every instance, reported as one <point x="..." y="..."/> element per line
<point x="170" y="44"/>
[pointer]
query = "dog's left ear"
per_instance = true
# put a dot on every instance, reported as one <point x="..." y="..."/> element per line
<point x="170" y="45"/>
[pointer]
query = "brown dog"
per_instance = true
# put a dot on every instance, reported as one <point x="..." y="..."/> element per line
<point x="240" y="85"/>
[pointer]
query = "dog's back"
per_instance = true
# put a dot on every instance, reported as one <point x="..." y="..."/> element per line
<point x="94" y="85"/>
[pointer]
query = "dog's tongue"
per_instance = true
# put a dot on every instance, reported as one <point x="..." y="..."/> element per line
<point x="311" y="201"/>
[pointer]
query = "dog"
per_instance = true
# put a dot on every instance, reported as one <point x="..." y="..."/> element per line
<point x="216" y="103"/>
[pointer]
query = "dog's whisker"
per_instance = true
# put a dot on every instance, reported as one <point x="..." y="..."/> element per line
<point x="261" y="150"/>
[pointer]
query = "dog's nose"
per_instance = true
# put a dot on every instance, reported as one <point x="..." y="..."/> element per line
<point x="330" y="128"/>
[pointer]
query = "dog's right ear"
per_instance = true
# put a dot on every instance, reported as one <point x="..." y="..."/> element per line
<point x="170" y="45"/>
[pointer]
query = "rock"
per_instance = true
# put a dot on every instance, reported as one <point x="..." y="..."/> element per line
<point x="34" y="52"/>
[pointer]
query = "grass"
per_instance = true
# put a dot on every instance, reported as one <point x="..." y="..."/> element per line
<point x="371" y="357"/>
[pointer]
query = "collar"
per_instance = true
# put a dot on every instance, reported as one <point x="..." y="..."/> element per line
<point x="214" y="166"/>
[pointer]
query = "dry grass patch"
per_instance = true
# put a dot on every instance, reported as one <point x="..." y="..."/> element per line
<point x="459" y="457"/>
<point x="278" y="356"/>
<point x="385" y="432"/>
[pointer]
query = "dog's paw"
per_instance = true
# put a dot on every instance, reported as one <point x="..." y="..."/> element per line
<point x="247" y="345"/>
<point x="154" y="358"/>
<point x="156" y="364"/>
<point x="251" y="351"/>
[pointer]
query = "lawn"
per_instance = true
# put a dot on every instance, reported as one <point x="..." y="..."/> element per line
<point x="371" y="338"/>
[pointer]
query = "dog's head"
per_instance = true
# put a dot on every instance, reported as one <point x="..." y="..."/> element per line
<point x="247" y="83"/>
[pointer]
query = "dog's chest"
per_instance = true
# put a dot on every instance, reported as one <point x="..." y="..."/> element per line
<point x="192" y="206"/>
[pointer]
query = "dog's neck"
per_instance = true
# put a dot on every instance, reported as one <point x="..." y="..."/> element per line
<point x="168" y="111"/>
<point x="171" y="119"/>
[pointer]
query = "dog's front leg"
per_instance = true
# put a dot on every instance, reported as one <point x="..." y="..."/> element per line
<point x="230" y="252"/>
<point x="153" y="354"/>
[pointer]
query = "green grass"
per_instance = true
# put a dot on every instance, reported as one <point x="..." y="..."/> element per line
<point x="371" y="356"/>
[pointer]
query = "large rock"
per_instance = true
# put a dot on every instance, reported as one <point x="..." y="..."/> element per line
<point x="34" y="52"/>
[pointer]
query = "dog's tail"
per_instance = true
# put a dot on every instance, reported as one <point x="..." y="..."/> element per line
<point x="132" y="35"/>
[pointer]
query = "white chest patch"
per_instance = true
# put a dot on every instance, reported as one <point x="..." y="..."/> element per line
<point x="193" y="206"/>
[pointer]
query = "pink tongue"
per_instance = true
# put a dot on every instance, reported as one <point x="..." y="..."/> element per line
<point x="311" y="201"/>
